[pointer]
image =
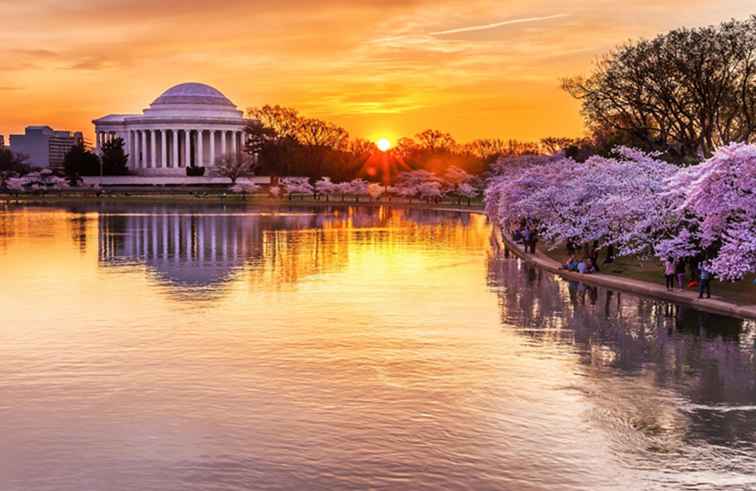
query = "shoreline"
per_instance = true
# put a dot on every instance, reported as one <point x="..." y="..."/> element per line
<point x="715" y="305"/>
<point x="200" y="197"/>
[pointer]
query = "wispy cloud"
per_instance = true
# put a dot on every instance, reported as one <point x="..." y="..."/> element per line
<point x="485" y="27"/>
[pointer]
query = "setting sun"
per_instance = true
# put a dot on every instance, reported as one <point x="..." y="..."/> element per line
<point x="383" y="144"/>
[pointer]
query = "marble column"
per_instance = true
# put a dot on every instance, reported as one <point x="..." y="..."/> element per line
<point x="223" y="142"/>
<point x="134" y="157"/>
<point x="234" y="148"/>
<point x="212" y="148"/>
<point x="175" y="159"/>
<point x="153" y="149"/>
<point x="163" y="149"/>
<point x="129" y="148"/>
<point x="144" y="150"/>
<point x="200" y="148"/>
<point x="188" y="147"/>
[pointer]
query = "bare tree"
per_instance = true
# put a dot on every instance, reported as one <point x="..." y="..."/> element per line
<point x="685" y="92"/>
<point x="436" y="141"/>
<point x="235" y="165"/>
<point x="283" y="121"/>
<point x="490" y="149"/>
<point x="554" y="144"/>
<point x="316" y="133"/>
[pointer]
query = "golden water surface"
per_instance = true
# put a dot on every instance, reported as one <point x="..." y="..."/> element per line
<point x="168" y="347"/>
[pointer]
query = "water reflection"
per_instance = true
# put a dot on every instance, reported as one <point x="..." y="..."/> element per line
<point x="206" y="247"/>
<point x="170" y="347"/>
<point x="685" y="376"/>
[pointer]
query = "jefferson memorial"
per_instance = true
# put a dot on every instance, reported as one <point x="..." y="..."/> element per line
<point x="190" y="124"/>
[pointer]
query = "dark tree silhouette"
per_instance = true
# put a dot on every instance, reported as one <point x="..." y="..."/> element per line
<point x="683" y="93"/>
<point x="80" y="161"/>
<point x="115" y="161"/>
<point x="13" y="163"/>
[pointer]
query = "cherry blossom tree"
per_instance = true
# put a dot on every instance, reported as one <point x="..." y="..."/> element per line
<point x="638" y="204"/>
<point x="406" y="191"/>
<point x="375" y="190"/>
<point x="244" y="188"/>
<point x="45" y="180"/>
<point x="612" y="201"/>
<point x="358" y="188"/>
<point x="418" y="184"/>
<point x="430" y="191"/>
<point x="297" y="185"/>
<point x="468" y="192"/>
<point x="390" y="192"/>
<point x="324" y="187"/>
<point x="719" y="212"/>
<point x="343" y="189"/>
<point x="459" y="183"/>
<point x="454" y="177"/>
<point x="16" y="185"/>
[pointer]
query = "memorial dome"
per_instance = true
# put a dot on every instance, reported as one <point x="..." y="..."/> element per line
<point x="193" y="93"/>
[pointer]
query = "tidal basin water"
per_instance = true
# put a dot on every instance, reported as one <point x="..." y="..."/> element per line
<point x="209" y="348"/>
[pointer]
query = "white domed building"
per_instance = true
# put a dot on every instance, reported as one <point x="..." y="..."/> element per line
<point x="189" y="125"/>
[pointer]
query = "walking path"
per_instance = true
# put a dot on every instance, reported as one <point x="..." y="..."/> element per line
<point x="714" y="304"/>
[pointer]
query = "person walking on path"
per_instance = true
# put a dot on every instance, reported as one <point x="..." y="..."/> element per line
<point x="527" y="236"/>
<point x="680" y="273"/>
<point x="669" y="274"/>
<point x="705" y="282"/>
<point x="533" y="241"/>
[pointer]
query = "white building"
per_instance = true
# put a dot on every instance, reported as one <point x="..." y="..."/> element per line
<point x="189" y="125"/>
<point x="44" y="146"/>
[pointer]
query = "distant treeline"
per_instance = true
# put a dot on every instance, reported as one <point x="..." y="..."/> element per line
<point x="289" y="144"/>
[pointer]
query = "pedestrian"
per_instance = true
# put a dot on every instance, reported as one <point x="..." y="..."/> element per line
<point x="680" y="273"/>
<point x="595" y="257"/>
<point x="705" y="282"/>
<point x="533" y="241"/>
<point x="527" y="236"/>
<point x="609" y="254"/>
<point x="571" y="249"/>
<point x="517" y="235"/>
<point x="571" y="264"/>
<point x="585" y="266"/>
<point x="669" y="273"/>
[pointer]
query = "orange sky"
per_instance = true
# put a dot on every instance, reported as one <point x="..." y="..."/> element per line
<point x="475" y="68"/>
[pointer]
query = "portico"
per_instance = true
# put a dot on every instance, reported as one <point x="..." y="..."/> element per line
<point x="189" y="125"/>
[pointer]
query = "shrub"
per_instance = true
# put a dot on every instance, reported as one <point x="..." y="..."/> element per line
<point x="195" y="171"/>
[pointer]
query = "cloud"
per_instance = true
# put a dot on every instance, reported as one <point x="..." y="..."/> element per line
<point x="36" y="54"/>
<point x="90" y="63"/>
<point x="484" y="27"/>
<point x="405" y="64"/>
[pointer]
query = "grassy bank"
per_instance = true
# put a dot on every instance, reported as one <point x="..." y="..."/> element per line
<point x="652" y="271"/>
<point x="213" y="196"/>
